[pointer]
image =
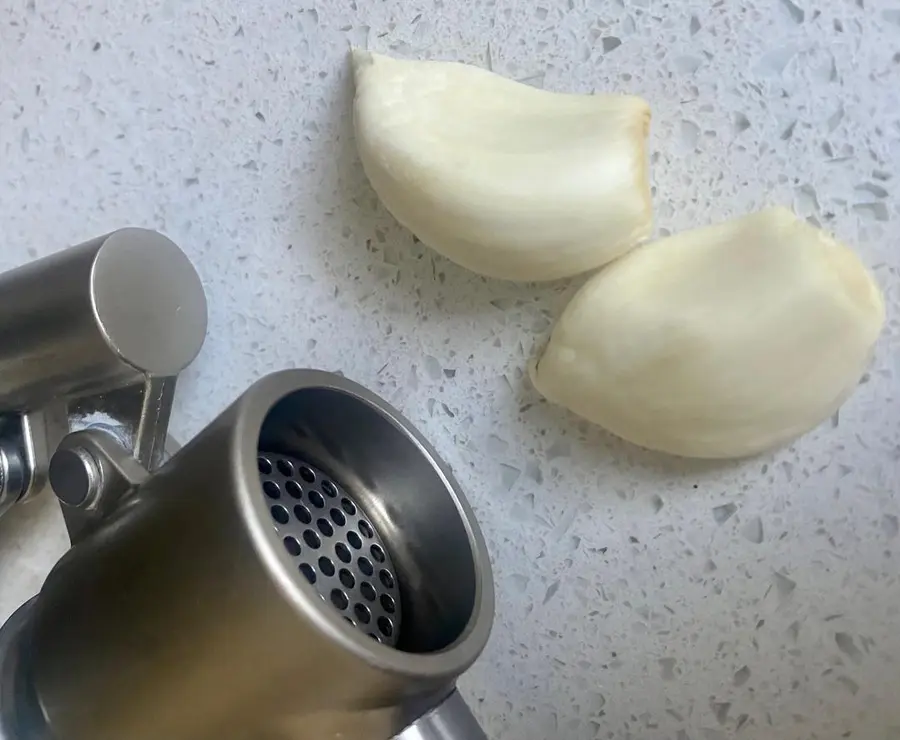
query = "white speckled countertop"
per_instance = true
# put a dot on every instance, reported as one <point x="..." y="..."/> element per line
<point x="638" y="596"/>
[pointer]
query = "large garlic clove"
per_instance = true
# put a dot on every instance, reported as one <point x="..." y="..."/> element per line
<point x="718" y="342"/>
<point x="505" y="179"/>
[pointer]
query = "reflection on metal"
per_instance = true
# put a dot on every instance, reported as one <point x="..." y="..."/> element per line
<point x="450" y="720"/>
<point x="308" y="537"/>
<point x="93" y="337"/>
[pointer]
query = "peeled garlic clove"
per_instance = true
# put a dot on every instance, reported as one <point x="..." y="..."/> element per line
<point x="719" y="342"/>
<point x="507" y="180"/>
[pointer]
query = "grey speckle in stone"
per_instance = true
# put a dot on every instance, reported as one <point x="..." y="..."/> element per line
<point x="753" y="530"/>
<point x="741" y="122"/>
<point x="877" y="211"/>
<point x="667" y="668"/>
<point x="720" y="710"/>
<point x="723" y="513"/>
<point x="551" y="591"/>
<point x="610" y="43"/>
<point x="784" y="587"/>
<point x="774" y="62"/>
<point x="795" y="13"/>
<point x="741" y="676"/>
<point x="509" y="475"/>
<point x="848" y="647"/>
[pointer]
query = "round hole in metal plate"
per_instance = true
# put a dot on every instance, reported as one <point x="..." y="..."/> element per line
<point x="316" y="499"/>
<point x="285" y="468"/>
<point x="377" y="553"/>
<point x="387" y="578"/>
<point x="292" y="546"/>
<point x="365" y="565"/>
<point x="312" y="539"/>
<point x="348" y="506"/>
<point x="368" y="591"/>
<point x="325" y="527"/>
<point x="337" y="516"/>
<point x="326" y="566"/>
<point x="366" y="530"/>
<point x="265" y="467"/>
<point x="293" y="489"/>
<point x="343" y="552"/>
<point x="347" y="578"/>
<point x="339" y="599"/>
<point x="302" y="514"/>
<point x="329" y="488"/>
<point x="308" y="475"/>
<point x="387" y="603"/>
<point x="362" y="613"/>
<point x="386" y="626"/>
<point x="354" y="540"/>
<point x="280" y="514"/>
<point x="310" y="572"/>
<point x="271" y="489"/>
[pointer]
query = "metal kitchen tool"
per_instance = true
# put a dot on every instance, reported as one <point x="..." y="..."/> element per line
<point x="306" y="567"/>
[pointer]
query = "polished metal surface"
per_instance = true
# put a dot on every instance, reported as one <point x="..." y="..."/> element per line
<point x="97" y="316"/>
<point x="177" y="615"/>
<point x="152" y="428"/>
<point x="13" y="475"/>
<point x="92" y="471"/>
<point x="20" y="715"/>
<point x="94" y="334"/>
<point x="308" y="534"/>
<point x="138" y="415"/>
<point x="335" y="546"/>
<point x="450" y="720"/>
<point x="75" y="476"/>
<point x="148" y="301"/>
<point x="41" y="430"/>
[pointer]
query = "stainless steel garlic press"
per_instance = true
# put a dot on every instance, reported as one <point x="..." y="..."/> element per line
<point x="305" y="567"/>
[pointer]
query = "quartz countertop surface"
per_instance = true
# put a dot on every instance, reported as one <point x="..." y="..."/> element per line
<point x="638" y="596"/>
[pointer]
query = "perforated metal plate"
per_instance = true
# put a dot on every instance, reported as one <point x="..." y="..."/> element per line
<point x="335" y="546"/>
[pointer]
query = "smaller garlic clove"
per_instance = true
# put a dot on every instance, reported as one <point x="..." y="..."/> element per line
<point x="719" y="342"/>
